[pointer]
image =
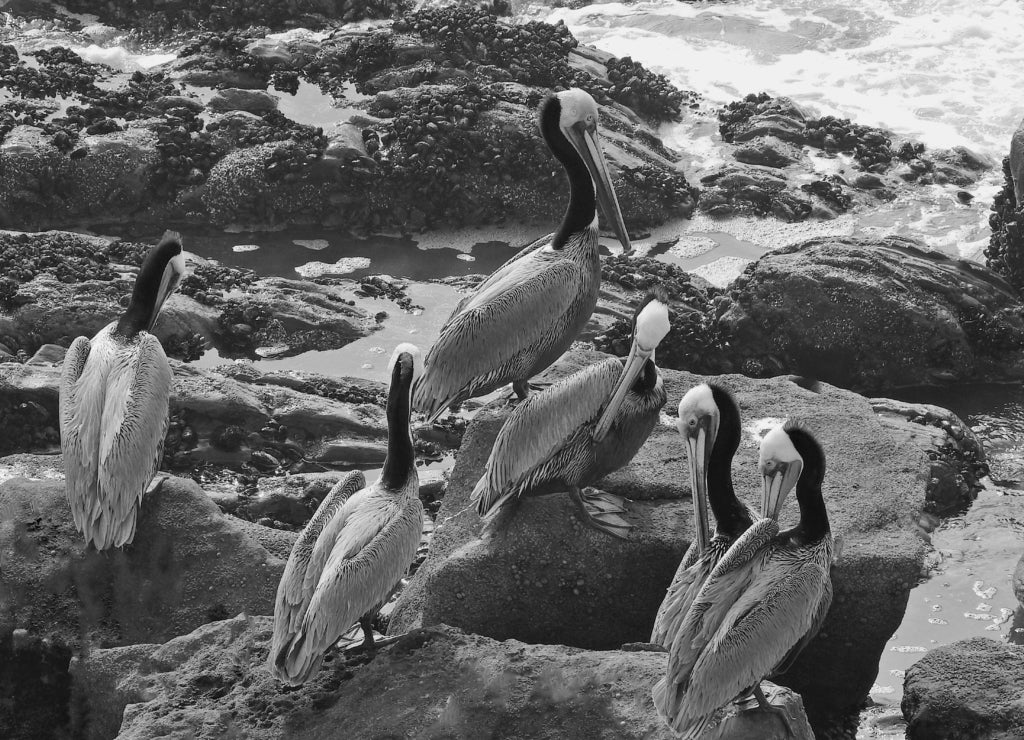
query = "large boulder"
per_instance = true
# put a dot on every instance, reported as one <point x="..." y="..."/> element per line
<point x="436" y="682"/>
<point x="544" y="577"/>
<point x="970" y="690"/>
<point x="869" y="315"/>
<point x="188" y="564"/>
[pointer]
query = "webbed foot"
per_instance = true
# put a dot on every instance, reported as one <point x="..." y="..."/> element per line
<point x="601" y="511"/>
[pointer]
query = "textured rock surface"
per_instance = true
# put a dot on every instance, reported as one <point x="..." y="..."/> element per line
<point x="189" y="564"/>
<point x="958" y="461"/>
<point x="969" y="690"/>
<point x="216" y="418"/>
<point x="543" y="577"/>
<point x="869" y="315"/>
<point x="436" y="682"/>
<point x="1018" y="581"/>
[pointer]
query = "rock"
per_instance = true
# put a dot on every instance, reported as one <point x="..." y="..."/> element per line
<point x="969" y="690"/>
<point x="114" y="177"/>
<point x="48" y="354"/>
<point x="543" y="577"/>
<point x="957" y="456"/>
<point x="767" y="151"/>
<point x="1017" y="162"/>
<point x="207" y="401"/>
<point x="251" y="101"/>
<point x="434" y="682"/>
<point x="870" y="315"/>
<point x="187" y="565"/>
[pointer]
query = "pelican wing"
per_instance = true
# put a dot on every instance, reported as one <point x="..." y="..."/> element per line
<point x="819" y="619"/>
<point x="80" y="411"/>
<point x="499" y="273"/>
<point x="756" y="635"/>
<point x="372" y="552"/>
<point x="724" y="585"/>
<point x="132" y="439"/>
<point x="693" y="570"/>
<point x="293" y="592"/>
<point x="515" y="310"/>
<point x="540" y="426"/>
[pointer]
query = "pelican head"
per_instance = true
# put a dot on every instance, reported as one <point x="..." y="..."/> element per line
<point x="650" y="325"/>
<point x="699" y="418"/>
<point x="573" y="114"/>
<point x="404" y="368"/>
<point x="780" y="465"/>
<point x="159" y="275"/>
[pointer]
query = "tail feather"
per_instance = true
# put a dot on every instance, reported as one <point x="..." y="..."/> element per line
<point x="293" y="662"/>
<point x="488" y="501"/>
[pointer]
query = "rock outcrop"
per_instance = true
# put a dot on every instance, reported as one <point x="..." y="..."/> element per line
<point x="240" y="417"/>
<point x="188" y="565"/>
<point x="541" y="576"/>
<point x="869" y="315"/>
<point x="435" y="682"/>
<point x="969" y="690"/>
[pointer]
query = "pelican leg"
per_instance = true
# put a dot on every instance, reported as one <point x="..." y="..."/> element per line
<point x="601" y="511"/>
<point x="767" y="706"/>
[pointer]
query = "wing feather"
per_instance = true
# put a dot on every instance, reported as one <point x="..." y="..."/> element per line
<point x="81" y="410"/>
<point x="819" y="619"/>
<point x="756" y="636"/>
<point x="724" y="585"/>
<point x="499" y="330"/>
<point x="373" y="551"/>
<point x="540" y="426"/>
<point x="133" y="430"/>
<point x="293" y="595"/>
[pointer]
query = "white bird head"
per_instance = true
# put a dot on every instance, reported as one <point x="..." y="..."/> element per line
<point x="780" y="466"/>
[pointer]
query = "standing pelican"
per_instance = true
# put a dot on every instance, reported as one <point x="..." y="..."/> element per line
<point x="762" y="603"/>
<point x="114" y="391"/>
<point x="709" y="421"/>
<point x="353" y="553"/>
<point x="582" y="428"/>
<point x="527" y="313"/>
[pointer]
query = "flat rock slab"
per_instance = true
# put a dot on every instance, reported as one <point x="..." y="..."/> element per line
<point x="969" y="690"/>
<point x="541" y="576"/>
<point x="436" y="682"/>
<point x="189" y="564"/>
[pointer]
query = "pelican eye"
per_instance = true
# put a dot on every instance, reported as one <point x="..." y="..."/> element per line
<point x="692" y="423"/>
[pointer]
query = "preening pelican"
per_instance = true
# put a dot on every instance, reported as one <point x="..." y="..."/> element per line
<point x="582" y="428"/>
<point x="527" y="313"/>
<point x="114" y="391"/>
<point x="762" y="603"/>
<point x="709" y="421"/>
<point x="353" y="553"/>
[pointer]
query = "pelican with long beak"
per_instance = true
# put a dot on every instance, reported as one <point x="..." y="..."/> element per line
<point x="580" y="429"/>
<point x="114" y="392"/>
<point x="353" y="553"/>
<point x="709" y="422"/>
<point x="527" y="313"/>
<point x="762" y="603"/>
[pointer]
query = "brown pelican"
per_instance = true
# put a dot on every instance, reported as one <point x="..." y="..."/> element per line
<point x="353" y="553"/>
<point x="762" y="603"/>
<point x="709" y="421"/>
<point x="114" y="391"/>
<point x="527" y="313"/>
<point x="582" y="428"/>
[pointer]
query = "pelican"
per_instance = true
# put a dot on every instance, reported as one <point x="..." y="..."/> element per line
<point x="527" y="313"/>
<point x="709" y="421"/>
<point x="763" y="602"/>
<point x="353" y="553"/>
<point x="114" y="391"/>
<point x="582" y="428"/>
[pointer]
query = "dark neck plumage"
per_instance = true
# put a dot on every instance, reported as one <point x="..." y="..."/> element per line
<point x="647" y="378"/>
<point x="582" y="197"/>
<point x="144" y="304"/>
<point x="731" y="515"/>
<point x="813" y="524"/>
<point x="400" y="458"/>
